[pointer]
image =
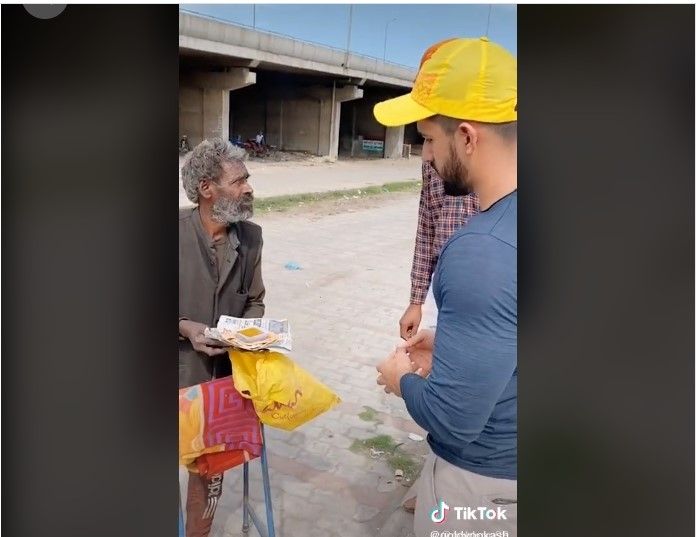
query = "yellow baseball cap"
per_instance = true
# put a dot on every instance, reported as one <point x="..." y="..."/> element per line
<point x="472" y="79"/>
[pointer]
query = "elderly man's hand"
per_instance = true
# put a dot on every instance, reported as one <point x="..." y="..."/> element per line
<point x="195" y="334"/>
<point x="392" y="369"/>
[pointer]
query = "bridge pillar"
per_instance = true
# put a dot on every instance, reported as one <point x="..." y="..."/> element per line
<point x="330" y="118"/>
<point x="347" y="93"/>
<point x="394" y="142"/>
<point x="204" y="103"/>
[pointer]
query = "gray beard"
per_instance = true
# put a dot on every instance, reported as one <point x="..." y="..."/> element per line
<point x="229" y="211"/>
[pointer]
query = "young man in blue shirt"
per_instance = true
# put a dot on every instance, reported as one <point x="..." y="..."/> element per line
<point x="460" y="383"/>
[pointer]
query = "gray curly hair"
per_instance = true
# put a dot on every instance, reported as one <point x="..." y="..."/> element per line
<point x="205" y="162"/>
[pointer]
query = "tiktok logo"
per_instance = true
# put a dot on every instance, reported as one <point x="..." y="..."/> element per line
<point x="439" y="514"/>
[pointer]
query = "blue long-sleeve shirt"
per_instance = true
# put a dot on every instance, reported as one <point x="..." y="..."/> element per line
<point x="468" y="404"/>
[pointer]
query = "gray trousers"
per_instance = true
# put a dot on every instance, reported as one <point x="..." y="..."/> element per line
<point x="486" y="506"/>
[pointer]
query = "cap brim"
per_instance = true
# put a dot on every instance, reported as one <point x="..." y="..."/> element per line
<point x="400" y="111"/>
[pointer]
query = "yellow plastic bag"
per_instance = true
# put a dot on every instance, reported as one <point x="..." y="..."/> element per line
<point x="284" y="395"/>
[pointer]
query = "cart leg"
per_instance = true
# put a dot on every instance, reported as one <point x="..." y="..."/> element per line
<point x="267" y="488"/>
<point x="245" y="501"/>
<point x="182" y="529"/>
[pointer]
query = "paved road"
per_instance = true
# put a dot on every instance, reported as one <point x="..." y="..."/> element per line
<point x="344" y="306"/>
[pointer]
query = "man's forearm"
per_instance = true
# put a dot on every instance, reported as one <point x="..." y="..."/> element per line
<point x="456" y="408"/>
<point x="411" y="386"/>
<point x="423" y="258"/>
<point x="422" y="267"/>
<point x="432" y="414"/>
<point x="421" y="273"/>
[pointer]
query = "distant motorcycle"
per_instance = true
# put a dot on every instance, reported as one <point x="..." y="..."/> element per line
<point x="255" y="149"/>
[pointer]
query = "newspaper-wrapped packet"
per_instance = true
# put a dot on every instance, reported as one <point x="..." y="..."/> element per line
<point x="277" y="333"/>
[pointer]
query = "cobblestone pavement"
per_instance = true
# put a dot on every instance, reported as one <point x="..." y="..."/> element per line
<point x="343" y="305"/>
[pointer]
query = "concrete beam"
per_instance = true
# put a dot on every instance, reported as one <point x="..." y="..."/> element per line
<point x="348" y="93"/>
<point x="195" y="44"/>
<point x="234" y="79"/>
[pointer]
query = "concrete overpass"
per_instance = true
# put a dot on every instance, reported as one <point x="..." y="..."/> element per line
<point x="300" y="87"/>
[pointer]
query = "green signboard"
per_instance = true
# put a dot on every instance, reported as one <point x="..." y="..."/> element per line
<point x="376" y="146"/>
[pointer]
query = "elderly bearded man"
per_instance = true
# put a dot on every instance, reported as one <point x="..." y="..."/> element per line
<point x="219" y="274"/>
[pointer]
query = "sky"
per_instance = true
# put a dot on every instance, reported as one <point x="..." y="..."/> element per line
<point x="417" y="26"/>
